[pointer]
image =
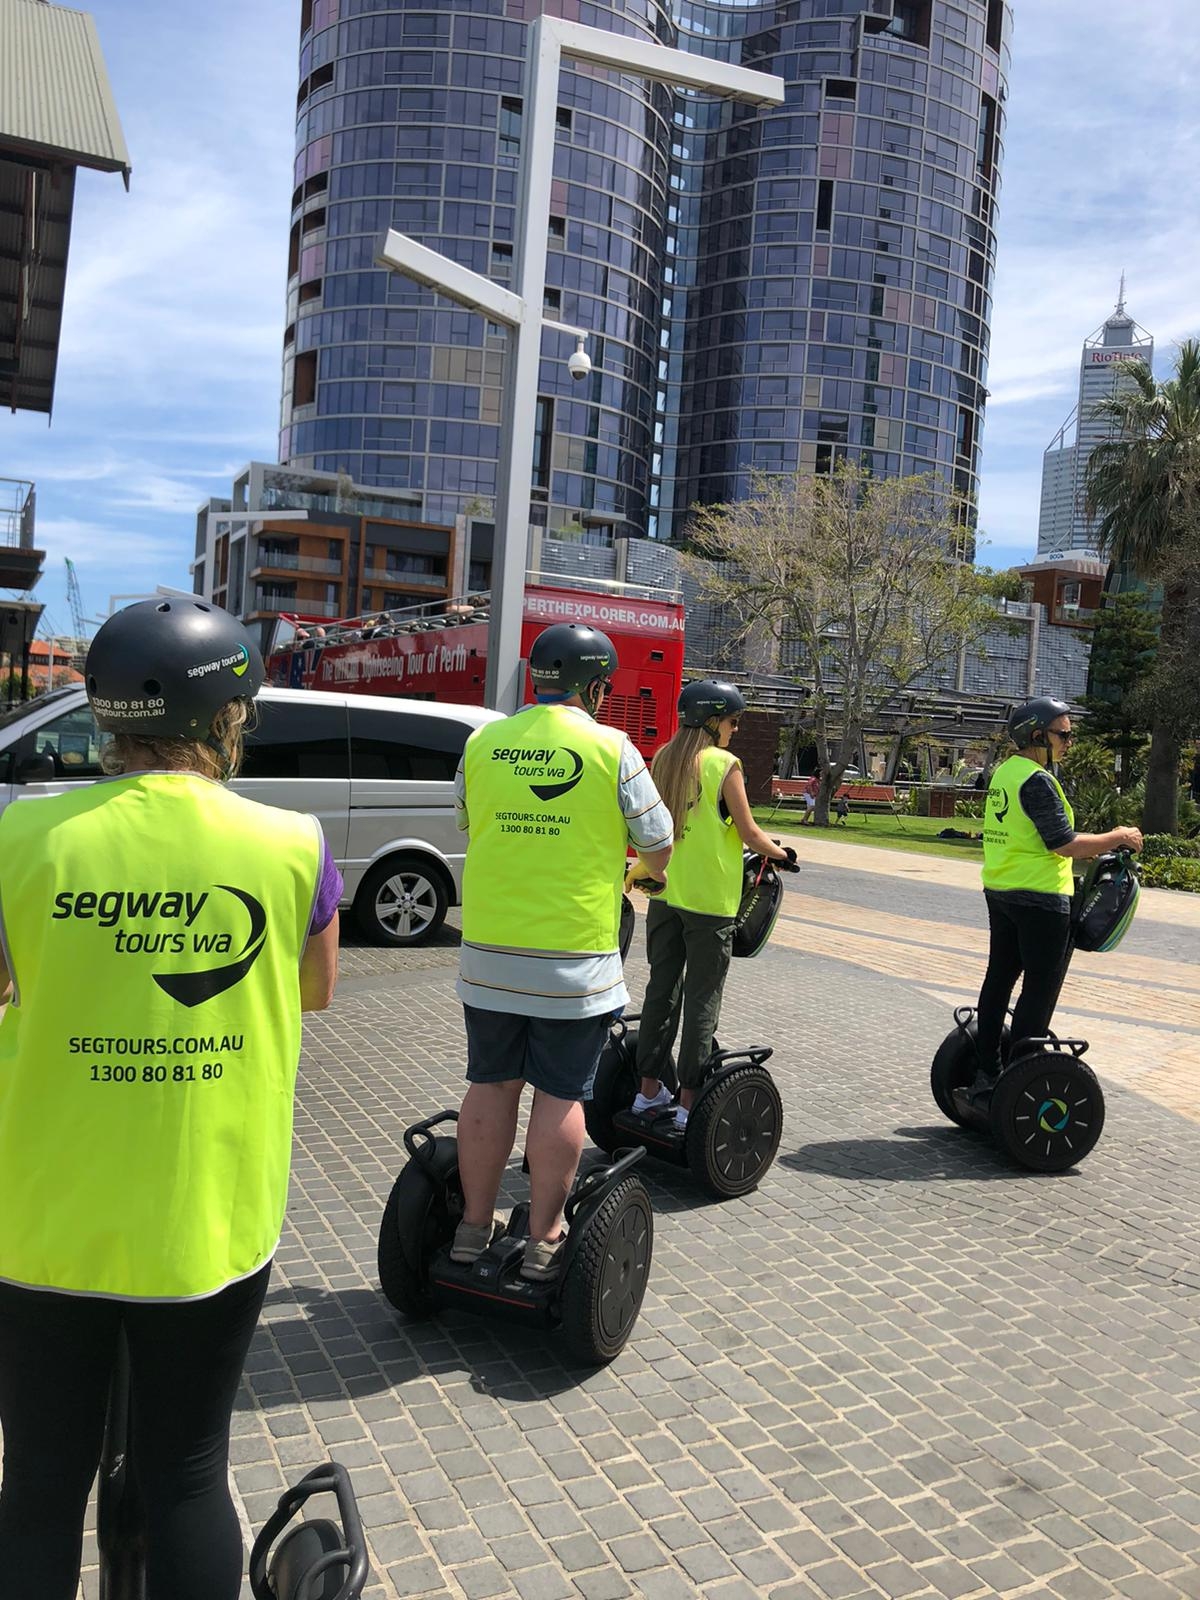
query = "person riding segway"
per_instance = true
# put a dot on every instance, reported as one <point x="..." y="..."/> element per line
<point x="550" y="799"/>
<point x="690" y="937"/>
<point x="1029" y="842"/>
<point x="162" y="935"/>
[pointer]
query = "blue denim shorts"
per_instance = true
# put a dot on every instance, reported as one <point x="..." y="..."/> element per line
<point x="559" y="1056"/>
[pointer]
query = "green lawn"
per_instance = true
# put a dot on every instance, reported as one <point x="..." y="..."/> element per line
<point x="918" y="834"/>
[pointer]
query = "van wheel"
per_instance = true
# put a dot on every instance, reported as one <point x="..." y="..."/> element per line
<point x="402" y="901"/>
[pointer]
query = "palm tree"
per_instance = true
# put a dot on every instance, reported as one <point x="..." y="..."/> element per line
<point x="1143" y="484"/>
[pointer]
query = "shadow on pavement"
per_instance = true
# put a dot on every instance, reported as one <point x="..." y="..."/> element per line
<point x="349" y="1343"/>
<point x="915" y="1155"/>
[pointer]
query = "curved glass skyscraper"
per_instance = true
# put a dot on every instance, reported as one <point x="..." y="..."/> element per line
<point x="831" y="260"/>
<point x="410" y="116"/>
<point x="769" y="289"/>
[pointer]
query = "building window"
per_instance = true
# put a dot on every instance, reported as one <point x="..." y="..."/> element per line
<point x="509" y="147"/>
<point x="564" y="118"/>
<point x="839" y="89"/>
<point x="304" y="386"/>
<point x="824" y="205"/>
<point x="912" y="19"/>
<point x="995" y="24"/>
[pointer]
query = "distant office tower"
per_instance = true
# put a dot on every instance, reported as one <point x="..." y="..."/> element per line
<point x="768" y="290"/>
<point x="1063" y="524"/>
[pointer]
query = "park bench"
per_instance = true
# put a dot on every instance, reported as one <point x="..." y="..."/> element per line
<point x="863" y="797"/>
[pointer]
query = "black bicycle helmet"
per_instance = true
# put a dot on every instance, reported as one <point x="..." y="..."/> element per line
<point x="1034" y="717"/>
<point x="164" y="668"/>
<point x="711" y="697"/>
<point x="568" y="657"/>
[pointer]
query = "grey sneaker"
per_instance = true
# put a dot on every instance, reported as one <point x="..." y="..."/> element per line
<point x="471" y="1239"/>
<point x="543" y="1260"/>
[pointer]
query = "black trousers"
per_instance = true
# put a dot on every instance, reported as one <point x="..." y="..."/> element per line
<point x="1024" y="939"/>
<point x="689" y="957"/>
<point x="57" y="1353"/>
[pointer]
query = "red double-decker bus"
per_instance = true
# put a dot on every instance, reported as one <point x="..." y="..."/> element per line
<point x="439" y="651"/>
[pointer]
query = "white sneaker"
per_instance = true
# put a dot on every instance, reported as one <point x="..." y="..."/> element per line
<point x="681" y="1117"/>
<point x="657" y="1103"/>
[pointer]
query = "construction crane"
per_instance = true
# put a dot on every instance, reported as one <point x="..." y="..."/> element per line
<point x="79" y="624"/>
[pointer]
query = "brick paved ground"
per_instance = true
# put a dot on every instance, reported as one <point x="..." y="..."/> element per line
<point x="899" y="1369"/>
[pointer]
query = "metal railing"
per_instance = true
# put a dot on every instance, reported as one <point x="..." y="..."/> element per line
<point x="18" y="499"/>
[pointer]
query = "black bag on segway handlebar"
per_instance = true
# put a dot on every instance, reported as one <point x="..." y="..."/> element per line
<point x="1105" y="902"/>
<point x="762" y="896"/>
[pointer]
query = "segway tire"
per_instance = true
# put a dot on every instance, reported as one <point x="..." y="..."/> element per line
<point x="953" y="1067"/>
<point x="733" y="1133"/>
<point x="299" y="1552"/>
<point x="1047" y="1111"/>
<point x="416" y="1212"/>
<point x="607" y="1274"/>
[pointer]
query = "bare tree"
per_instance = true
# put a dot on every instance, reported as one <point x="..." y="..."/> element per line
<point x="862" y="577"/>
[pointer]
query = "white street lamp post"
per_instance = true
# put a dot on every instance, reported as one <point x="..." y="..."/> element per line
<point x="551" y="38"/>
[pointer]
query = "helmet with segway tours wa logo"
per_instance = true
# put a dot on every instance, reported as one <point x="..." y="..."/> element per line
<point x="1033" y="718"/>
<point x="570" y="658"/>
<point x="710" y="699"/>
<point x="164" y="668"/>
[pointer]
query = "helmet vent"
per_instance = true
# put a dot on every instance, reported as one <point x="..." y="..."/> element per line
<point x="152" y="687"/>
<point x="91" y="684"/>
<point x="200" y="606"/>
<point x="165" y="605"/>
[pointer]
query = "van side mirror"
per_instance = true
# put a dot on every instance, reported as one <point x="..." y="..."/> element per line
<point x="38" y="768"/>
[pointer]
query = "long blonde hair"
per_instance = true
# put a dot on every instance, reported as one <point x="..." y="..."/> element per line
<point x="676" y="772"/>
<point x="182" y="754"/>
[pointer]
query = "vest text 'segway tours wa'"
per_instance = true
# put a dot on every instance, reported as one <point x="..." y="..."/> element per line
<point x="1014" y="856"/>
<point x="543" y="803"/>
<point x="154" y="927"/>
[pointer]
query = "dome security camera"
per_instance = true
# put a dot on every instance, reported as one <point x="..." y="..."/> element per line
<point x="579" y="363"/>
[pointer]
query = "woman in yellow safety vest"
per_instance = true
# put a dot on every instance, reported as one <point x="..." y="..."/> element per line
<point x="161" y="936"/>
<point x="1029" y="842"/>
<point x="689" y="929"/>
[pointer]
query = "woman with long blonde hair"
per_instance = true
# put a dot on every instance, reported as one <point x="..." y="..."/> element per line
<point x="689" y="927"/>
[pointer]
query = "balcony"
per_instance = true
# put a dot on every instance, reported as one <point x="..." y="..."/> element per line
<point x="294" y="605"/>
<point x="282" y="561"/>
<point x="404" y="580"/>
<point x="1074" y="616"/>
<point x="20" y="562"/>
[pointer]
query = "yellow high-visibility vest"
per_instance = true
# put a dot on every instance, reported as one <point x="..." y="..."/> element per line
<point x="546" y="857"/>
<point x="1014" y="856"/>
<point x="706" y="867"/>
<point x="154" y="927"/>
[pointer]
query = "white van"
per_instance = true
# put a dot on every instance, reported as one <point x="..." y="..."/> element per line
<point x="378" y="772"/>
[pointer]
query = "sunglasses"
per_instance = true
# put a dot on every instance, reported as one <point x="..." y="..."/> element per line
<point x="1065" y="737"/>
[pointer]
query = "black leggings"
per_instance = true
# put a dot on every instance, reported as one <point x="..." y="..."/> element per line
<point x="56" y="1360"/>
<point x="1029" y="939"/>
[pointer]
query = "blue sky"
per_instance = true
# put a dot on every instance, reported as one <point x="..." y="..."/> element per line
<point x="168" y="379"/>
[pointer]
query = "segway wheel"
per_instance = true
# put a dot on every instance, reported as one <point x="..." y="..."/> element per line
<point x="953" y="1068"/>
<point x="607" y="1273"/>
<point x="293" y="1573"/>
<point x="733" y="1132"/>
<point x="417" y="1222"/>
<point x="1047" y="1111"/>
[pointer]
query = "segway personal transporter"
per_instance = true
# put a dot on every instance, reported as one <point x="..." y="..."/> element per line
<point x="315" y="1560"/>
<point x="1046" y="1109"/>
<point x="595" y="1297"/>
<point x="736" y="1121"/>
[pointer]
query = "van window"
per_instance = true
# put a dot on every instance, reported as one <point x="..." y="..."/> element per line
<point x="397" y="744"/>
<point x="295" y="740"/>
<point x="72" y="741"/>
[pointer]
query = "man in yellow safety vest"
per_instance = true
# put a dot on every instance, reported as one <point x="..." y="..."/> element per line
<point x="551" y="800"/>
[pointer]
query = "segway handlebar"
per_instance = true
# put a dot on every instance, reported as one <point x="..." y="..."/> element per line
<point x="788" y="864"/>
<point x="332" y="1478"/>
<point x="421" y="1130"/>
<point x="601" y="1178"/>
